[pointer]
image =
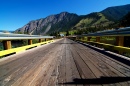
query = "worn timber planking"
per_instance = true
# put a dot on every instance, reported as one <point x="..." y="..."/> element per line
<point x="63" y="63"/>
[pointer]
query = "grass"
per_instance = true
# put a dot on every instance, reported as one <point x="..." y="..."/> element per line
<point x="127" y="55"/>
<point x="19" y="43"/>
<point x="19" y="49"/>
<point x="107" y="40"/>
<point x="70" y="32"/>
<point x="1" y="46"/>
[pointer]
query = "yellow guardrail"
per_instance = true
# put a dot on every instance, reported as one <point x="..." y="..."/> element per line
<point x="109" y="46"/>
<point x="16" y="50"/>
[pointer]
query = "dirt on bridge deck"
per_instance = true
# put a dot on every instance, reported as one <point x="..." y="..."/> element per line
<point x="63" y="63"/>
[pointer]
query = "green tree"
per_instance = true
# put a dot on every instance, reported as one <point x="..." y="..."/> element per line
<point x="67" y="33"/>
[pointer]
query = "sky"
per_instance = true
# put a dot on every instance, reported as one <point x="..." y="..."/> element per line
<point x="15" y="14"/>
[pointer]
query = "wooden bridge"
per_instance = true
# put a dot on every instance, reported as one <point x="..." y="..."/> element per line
<point x="65" y="62"/>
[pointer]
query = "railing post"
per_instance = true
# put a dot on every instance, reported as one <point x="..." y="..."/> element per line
<point x="40" y="40"/>
<point x="7" y="44"/>
<point x="45" y="39"/>
<point x="83" y="38"/>
<point x="77" y="38"/>
<point x="97" y="39"/>
<point x="88" y="38"/>
<point x="120" y="40"/>
<point x="74" y="38"/>
<point x="29" y="41"/>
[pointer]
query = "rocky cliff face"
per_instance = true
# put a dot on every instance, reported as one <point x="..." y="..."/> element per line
<point x="58" y="22"/>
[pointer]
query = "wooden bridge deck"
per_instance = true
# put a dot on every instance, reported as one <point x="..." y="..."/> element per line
<point x="63" y="63"/>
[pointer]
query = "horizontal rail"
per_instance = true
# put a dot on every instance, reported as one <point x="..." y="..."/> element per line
<point x="120" y="39"/>
<point x="117" y="32"/>
<point x="10" y="36"/>
<point x="20" y="38"/>
<point x="23" y="48"/>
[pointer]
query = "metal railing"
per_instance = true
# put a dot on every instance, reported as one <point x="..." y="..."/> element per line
<point x="6" y="39"/>
<point x="120" y="34"/>
<point x="116" y="32"/>
<point x="11" y="36"/>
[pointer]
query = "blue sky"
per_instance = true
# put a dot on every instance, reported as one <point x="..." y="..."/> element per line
<point x="16" y="13"/>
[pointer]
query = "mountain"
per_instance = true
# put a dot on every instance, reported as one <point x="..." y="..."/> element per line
<point x="116" y="12"/>
<point x="66" y="21"/>
<point x="103" y="18"/>
<point x="96" y="19"/>
<point x="59" y="22"/>
<point x="125" y="21"/>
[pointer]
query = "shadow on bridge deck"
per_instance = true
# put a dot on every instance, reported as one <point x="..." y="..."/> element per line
<point x="64" y="62"/>
<point x="97" y="81"/>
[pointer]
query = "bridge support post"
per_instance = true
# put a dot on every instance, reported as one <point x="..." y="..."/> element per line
<point x="88" y="38"/>
<point x="77" y="38"/>
<point x="97" y="39"/>
<point x="40" y="40"/>
<point x="83" y="38"/>
<point x="29" y="41"/>
<point x="120" y="40"/>
<point x="74" y="38"/>
<point x="7" y="44"/>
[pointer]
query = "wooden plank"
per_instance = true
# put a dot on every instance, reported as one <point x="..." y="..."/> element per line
<point x="101" y="71"/>
<point x="71" y="69"/>
<point x="61" y="69"/>
<point x="69" y="77"/>
<point x="13" y="64"/>
<point x="97" y="39"/>
<point x="98" y="56"/>
<point x="94" y="70"/>
<point x="120" y="40"/>
<point x="88" y="38"/>
<point x="33" y="73"/>
<point x="83" y="69"/>
<point x="61" y="62"/>
<point x="13" y="69"/>
<point x="40" y="40"/>
<point x="53" y="79"/>
<point x="7" y="44"/>
<point x="29" y="41"/>
<point x="116" y="64"/>
<point x="45" y="75"/>
<point x="75" y="72"/>
<point x="18" y="68"/>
